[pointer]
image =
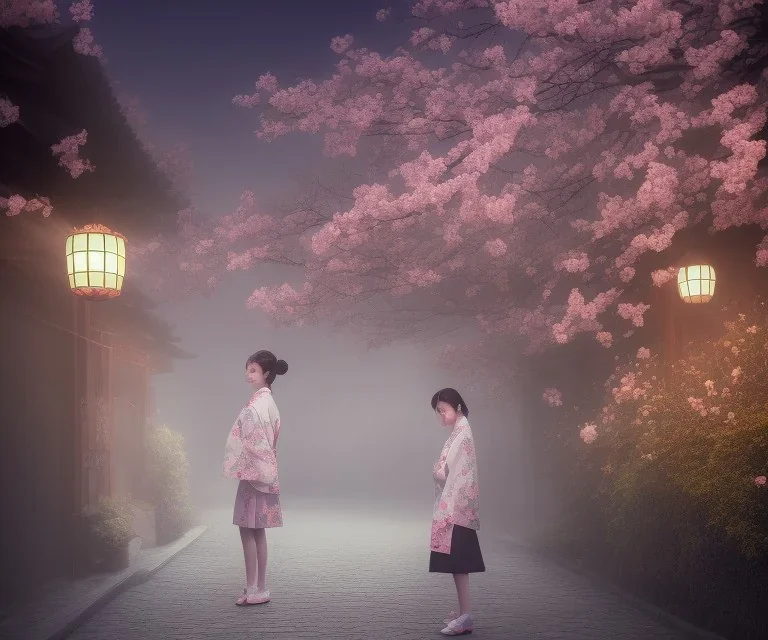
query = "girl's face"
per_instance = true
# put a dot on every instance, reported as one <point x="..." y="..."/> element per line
<point x="446" y="414"/>
<point x="255" y="376"/>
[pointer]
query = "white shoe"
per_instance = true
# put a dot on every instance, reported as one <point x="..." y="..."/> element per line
<point x="253" y="596"/>
<point x="460" y="626"/>
<point x="451" y="617"/>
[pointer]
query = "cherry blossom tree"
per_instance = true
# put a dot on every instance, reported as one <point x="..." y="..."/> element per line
<point x="522" y="159"/>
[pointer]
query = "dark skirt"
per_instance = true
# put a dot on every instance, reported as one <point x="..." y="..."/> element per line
<point x="465" y="556"/>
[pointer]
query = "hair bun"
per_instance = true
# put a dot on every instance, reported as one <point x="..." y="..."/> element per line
<point x="281" y="367"/>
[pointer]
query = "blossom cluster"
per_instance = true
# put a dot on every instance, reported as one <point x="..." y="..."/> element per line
<point x="718" y="386"/>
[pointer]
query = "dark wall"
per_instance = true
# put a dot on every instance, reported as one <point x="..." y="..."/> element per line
<point x="37" y="417"/>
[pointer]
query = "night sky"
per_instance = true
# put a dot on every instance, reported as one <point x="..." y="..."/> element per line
<point x="186" y="59"/>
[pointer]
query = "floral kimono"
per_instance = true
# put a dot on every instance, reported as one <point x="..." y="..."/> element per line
<point x="456" y="490"/>
<point x="251" y="448"/>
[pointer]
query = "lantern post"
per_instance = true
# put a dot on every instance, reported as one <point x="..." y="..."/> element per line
<point x="95" y="261"/>
<point x="696" y="281"/>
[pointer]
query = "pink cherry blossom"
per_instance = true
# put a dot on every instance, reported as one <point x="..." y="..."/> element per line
<point x="761" y="258"/>
<point x="9" y="113"/>
<point x="496" y="247"/>
<point x="573" y="263"/>
<point x="17" y="204"/>
<point x="643" y="353"/>
<point x="25" y="13"/>
<point x="605" y="338"/>
<point x="588" y="433"/>
<point x="662" y="276"/>
<point x="85" y="44"/>
<point x="553" y="397"/>
<point x="68" y="151"/>
<point x="760" y="481"/>
<point x="633" y="312"/>
<point x="82" y="10"/>
<point x="627" y="274"/>
<point x="697" y="404"/>
<point x="341" y="43"/>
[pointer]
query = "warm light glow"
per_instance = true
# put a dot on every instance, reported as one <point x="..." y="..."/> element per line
<point x="696" y="283"/>
<point x="95" y="262"/>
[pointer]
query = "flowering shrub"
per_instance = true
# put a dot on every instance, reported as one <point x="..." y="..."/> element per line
<point x="696" y="437"/>
<point x="168" y="479"/>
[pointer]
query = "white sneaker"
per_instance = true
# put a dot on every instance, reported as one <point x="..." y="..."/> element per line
<point x="460" y="626"/>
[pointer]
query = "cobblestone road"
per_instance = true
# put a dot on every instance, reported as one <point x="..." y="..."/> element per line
<point x="344" y="574"/>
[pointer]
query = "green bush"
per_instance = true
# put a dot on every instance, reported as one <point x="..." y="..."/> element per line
<point x="110" y="523"/>
<point x="168" y="483"/>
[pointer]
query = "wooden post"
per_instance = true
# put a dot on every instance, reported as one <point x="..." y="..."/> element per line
<point x="143" y="424"/>
<point x="108" y="400"/>
<point x="671" y="350"/>
<point x="81" y="325"/>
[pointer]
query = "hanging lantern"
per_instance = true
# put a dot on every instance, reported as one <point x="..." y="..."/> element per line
<point x="696" y="283"/>
<point x="95" y="262"/>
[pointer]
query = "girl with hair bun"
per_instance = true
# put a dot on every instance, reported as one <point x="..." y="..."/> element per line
<point x="251" y="457"/>
<point x="455" y="548"/>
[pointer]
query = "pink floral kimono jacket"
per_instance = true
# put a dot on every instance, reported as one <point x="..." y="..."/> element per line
<point x="456" y="489"/>
<point x="251" y="449"/>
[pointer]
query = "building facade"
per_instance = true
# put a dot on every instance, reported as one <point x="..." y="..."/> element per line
<point x="75" y="375"/>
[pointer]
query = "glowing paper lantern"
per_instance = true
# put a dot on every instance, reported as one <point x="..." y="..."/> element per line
<point x="696" y="283"/>
<point x="95" y="262"/>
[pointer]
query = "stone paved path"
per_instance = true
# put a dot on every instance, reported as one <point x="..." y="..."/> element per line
<point x="347" y="574"/>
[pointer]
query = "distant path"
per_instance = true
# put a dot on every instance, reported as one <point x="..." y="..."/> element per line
<point x="340" y="574"/>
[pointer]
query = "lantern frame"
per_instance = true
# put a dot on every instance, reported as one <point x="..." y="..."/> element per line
<point x="96" y="259"/>
<point x="696" y="283"/>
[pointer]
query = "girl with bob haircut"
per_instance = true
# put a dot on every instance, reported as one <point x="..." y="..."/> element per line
<point x="454" y="547"/>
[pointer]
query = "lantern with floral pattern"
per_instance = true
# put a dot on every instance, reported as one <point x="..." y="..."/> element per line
<point x="95" y="262"/>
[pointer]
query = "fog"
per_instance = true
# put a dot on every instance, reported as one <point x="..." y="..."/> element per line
<point x="357" y="425"/>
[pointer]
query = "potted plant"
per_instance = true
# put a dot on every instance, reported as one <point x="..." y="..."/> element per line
<point x="110" y="529"/>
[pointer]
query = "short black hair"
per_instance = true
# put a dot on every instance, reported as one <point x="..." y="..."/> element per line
<point x="451" y="397"/>
<point x="268" y="362"/>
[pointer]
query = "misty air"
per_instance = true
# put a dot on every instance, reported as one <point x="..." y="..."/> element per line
<point x="358" y="320"/>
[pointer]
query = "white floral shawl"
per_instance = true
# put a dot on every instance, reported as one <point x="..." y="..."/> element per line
<point x="251" y="447"/>
<point x="456" y="488"/>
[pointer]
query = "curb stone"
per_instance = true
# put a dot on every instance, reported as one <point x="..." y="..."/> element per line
<point x="689" y="630"/>
<point x="68" y="618"/>
<point x="143" y="572"/>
